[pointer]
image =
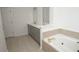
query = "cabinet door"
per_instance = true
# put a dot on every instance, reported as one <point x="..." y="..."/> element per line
<point x="34" y="32"/>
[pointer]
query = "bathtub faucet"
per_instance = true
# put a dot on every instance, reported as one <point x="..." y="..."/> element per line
<point x="77" y="42"/>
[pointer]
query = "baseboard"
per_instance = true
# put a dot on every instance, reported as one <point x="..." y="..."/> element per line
<point x="15" y="36"/>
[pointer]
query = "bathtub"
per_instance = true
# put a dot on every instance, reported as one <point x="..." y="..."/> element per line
<point x="63" y="43"/>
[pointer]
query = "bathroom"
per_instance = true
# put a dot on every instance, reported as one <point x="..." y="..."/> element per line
<point x="39" y="29"/>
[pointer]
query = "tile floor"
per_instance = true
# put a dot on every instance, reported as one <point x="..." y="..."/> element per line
<point x="22" y="44"/>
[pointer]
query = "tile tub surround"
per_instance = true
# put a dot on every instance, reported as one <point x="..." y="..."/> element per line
<point x="50" y="33"/>
<point x="47" y="48"/>
<point x="70" y="33"/>
<point x="61" y="31"/>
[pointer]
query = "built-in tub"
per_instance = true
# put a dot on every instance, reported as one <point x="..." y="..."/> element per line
<point x="63" y="43"/>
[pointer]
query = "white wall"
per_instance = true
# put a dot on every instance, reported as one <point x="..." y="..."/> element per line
<point x="2" y="37"/>
<point x="45" y="15"/>
<point x="40" y="15"/>
<point x="51" y="14"/>
<point x="66" y="17"/>
<point x="15" y="20"/>
<point x="37" y="15"/>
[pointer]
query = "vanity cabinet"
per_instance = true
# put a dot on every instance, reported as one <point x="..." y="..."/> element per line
<point x="34" y="33"/>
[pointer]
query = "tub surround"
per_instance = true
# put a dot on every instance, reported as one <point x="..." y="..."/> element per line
<point x="48" y="48"/>
<point x="70" y="33"/>
<point x="67" y="32"/>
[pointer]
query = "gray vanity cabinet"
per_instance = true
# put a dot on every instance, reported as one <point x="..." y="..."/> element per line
<point x="34" y="33"/>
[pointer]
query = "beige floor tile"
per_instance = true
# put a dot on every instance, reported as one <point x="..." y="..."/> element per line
<point x="22" y="44"/>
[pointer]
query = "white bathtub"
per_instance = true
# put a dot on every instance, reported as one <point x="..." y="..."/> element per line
<point x="63" y="43"/>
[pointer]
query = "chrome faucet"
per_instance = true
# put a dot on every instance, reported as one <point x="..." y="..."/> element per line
<point x="78" y="42"/>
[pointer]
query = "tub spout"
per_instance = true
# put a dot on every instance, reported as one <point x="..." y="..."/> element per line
<point x="77" y="42"/>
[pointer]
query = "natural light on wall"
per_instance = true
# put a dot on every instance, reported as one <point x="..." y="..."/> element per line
<point x="66" y="17"/>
